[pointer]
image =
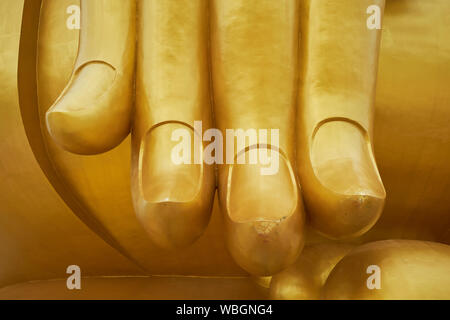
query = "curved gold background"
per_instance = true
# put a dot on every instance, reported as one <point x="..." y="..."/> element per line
<point x="39" y="234"/>
<point x="42" y="186"/>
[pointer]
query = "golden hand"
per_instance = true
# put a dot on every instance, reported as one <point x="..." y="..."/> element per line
<point x="322" y="103"/>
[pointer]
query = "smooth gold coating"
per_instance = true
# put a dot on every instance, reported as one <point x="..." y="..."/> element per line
<point x="410" y="269"/>
<point x="173" y="202"/>
<point x="343" y="191"/>
<point x="40" y="236"/>
<point x="340" y="94"/>
<point x="411" y="131"/>
<point x="304" y="280"/>
<point x="264" y="215"/>
<point x="139" y="288"/>
<point x="93" y="179"/>
<point x="93" y="113"/>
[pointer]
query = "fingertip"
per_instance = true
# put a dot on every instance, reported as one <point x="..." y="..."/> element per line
<point x="343" y="190"/>
<point x="93" y="113"/>
<point x="173" y="201"/>
<point x="264" y="218"/>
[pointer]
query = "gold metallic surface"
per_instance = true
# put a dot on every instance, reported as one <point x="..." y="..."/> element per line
<point x="93" y="113"/>
<point x="412" y="131"/>
<point x="39" y="234"/>
<point x="409" y="270"/>
<point x="264" y="215"/>
<point x="173" y="202"/>
<point x="102" y="182"/>
<point x="305" y="279"/>
<point x="343" y="191"/>
<point x="340" y="94"/>
<point x="139" y="288"/>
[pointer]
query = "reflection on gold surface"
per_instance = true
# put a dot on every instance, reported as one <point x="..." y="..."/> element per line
<point x="140" y="288"/>
<point x="340" y="94"/>
<point x="409" y="270"/>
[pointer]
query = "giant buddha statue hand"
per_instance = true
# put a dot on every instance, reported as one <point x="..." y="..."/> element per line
<point x="242" y="63"/>
<point x="272" y="105"/>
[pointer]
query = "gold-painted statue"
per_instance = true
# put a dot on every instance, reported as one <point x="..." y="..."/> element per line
<point x="279" y="106"/>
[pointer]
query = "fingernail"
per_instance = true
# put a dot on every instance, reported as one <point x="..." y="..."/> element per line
<point x="342" y="161"/>
<point x="253" y="196"/>
<point x="80" y="120"/>
<point x="265" y="217"/>
<point x="174" y="201"/>
<point x="91" y="81"/>
<point x="164" y="179"/>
